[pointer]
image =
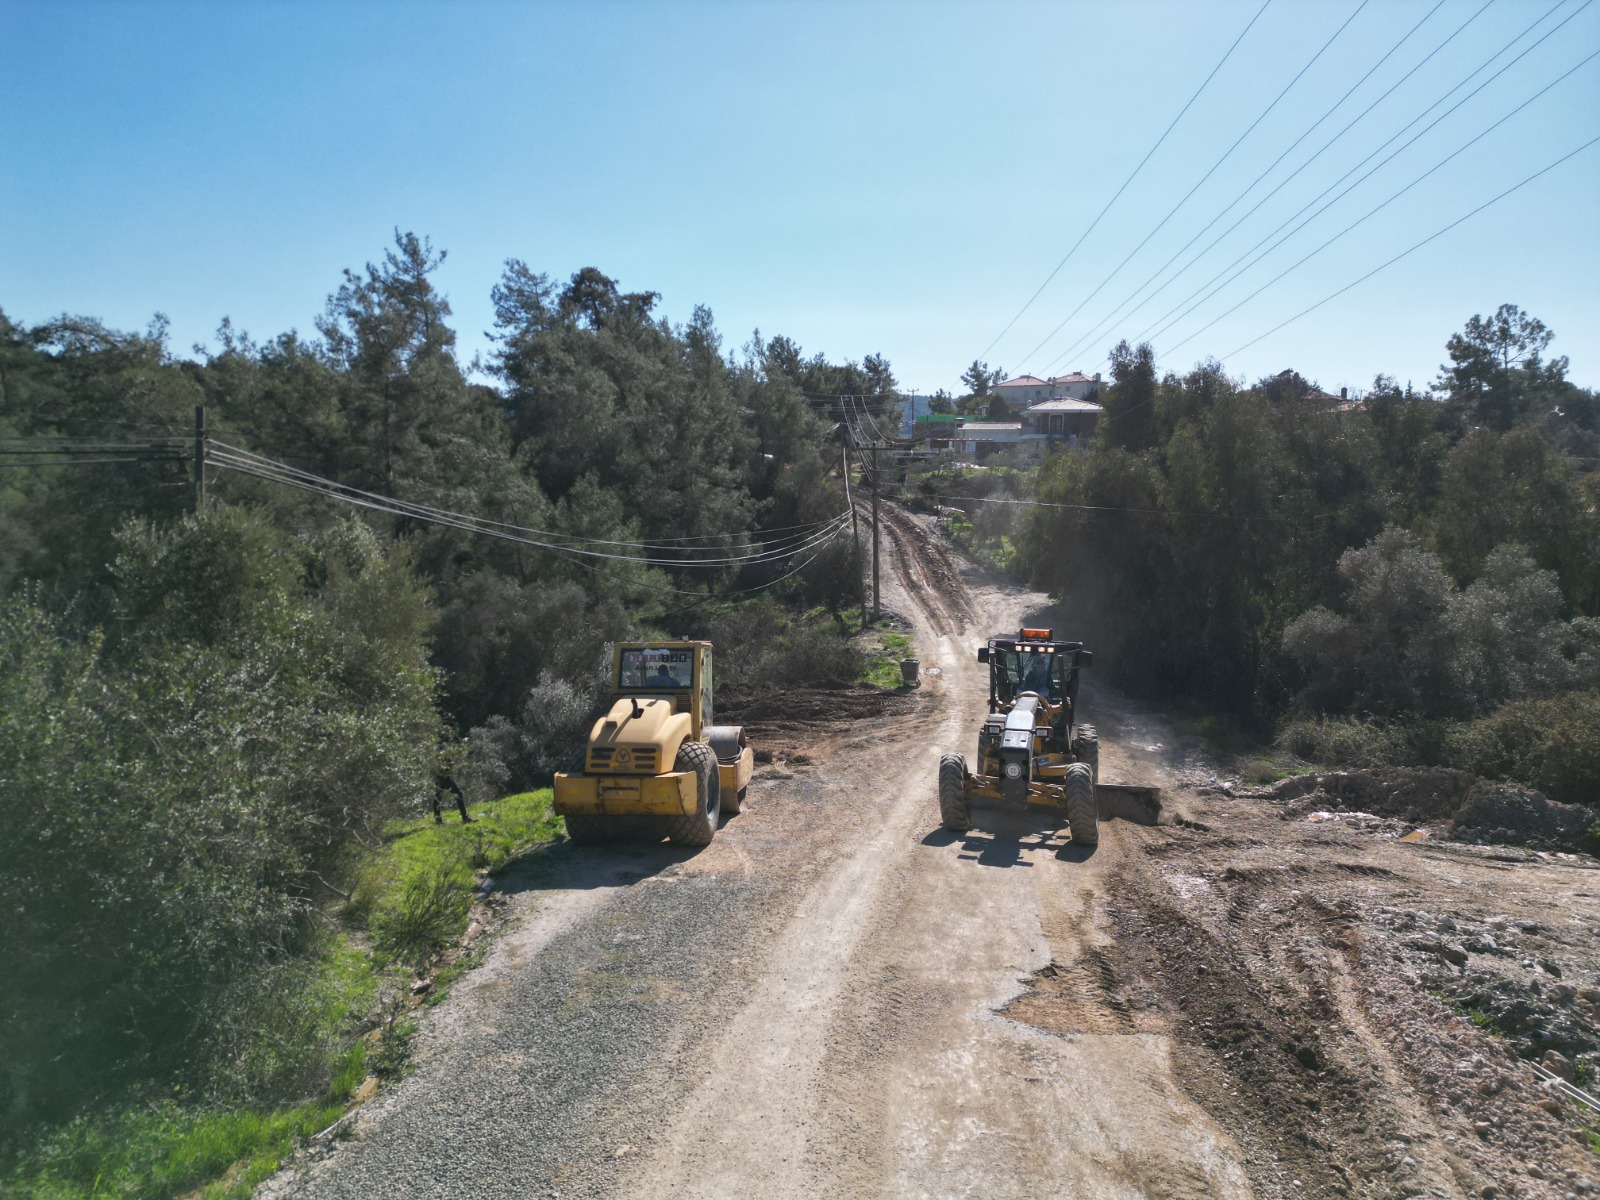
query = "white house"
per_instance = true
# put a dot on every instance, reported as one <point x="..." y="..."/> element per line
<point x="1071" y="421"/>
<point x="1027" y="390"/>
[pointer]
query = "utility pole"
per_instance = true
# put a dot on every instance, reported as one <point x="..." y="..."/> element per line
<point x="199" y="457"/>
<point x="855" y="520"/>
<point x="877" y="612"/>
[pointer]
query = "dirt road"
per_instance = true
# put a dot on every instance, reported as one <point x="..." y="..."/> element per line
<point x="837" y="998"/>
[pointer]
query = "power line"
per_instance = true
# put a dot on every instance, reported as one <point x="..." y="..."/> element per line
<point x="1128" y="180"/>
<point x="1416" y="137"/>
<point x="278" y="473"/>
<point x="1416" y="247"/>
<point x="1113" y="508"/>
<point x="1436" y="166"/>
<point x="1384" y="265"/>
<point x="81" y="462"/>
<point x="1161" y="224"/>
<point x="425" y="509"/>
<point x="1154" y="275"/>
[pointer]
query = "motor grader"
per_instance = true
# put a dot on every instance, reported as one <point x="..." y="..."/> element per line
<point x="1032" y="748"/>
<point x="621" y="784"/>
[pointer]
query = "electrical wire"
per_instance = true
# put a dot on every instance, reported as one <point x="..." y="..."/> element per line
<point x="1112" y="508"/>
<point x="422" y="510"/>
<point x="1423" y="132"/>
<point x="816" y="550"/>
<point x="1172" y="212"/>
<point x="1112" y="316"/>
<point x="265" y="469"/>
<point x="1360" y="220"/>
<point x="81" y="462"/>
<point x="469" y="524"/>
<point x="1414" y="248"/>
<point x="1228" y="53"/>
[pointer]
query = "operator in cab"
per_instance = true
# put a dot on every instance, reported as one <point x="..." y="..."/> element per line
<point x="1038" y="678"/>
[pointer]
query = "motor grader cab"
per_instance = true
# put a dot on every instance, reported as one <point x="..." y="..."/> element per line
<point x="1032" y="747"/>
<point x="655" y="764"/>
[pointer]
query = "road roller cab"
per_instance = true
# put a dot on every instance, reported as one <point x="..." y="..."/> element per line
<point x="655" y="764"/>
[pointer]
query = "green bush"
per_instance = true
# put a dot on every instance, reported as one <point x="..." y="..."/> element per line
<point x="1349" y="742"/>
<point x="162" y="1151"/>
<point x="424" y="917"/>
<point x="179" y="793"/>
<point x="1552" y="745"/>
<point x="760" y="642"/>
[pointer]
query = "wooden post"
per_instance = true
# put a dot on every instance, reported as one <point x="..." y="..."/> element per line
<point x="199" y="457"/>
<point x="877" y="611"/>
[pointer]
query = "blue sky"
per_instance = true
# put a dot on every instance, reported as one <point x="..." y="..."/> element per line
<point x="889" y="178"/>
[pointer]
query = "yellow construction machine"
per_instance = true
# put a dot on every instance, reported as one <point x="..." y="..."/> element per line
<point x="1032" y="749"/>
<point x="655" y="764"/>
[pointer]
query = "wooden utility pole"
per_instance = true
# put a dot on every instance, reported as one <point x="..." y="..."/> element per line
<point x="199" y="457"/>
<point x="877" y="611"/>
<point x="855" y="520"/>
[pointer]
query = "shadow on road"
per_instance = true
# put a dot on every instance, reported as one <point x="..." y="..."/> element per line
<point x="1004" y="834"/>
<point x="565" y="866"/>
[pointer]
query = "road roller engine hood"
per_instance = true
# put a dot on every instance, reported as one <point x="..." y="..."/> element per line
<point x="638" y="736"/>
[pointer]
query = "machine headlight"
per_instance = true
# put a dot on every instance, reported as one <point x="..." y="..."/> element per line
<point x="1013" y="770"/>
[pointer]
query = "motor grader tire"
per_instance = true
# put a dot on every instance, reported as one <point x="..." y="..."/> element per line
<point x="701" y="827"/>
<point x="1086" y="749"/>
<point x="955" y="814"/>
<point x="1083" y="814"/>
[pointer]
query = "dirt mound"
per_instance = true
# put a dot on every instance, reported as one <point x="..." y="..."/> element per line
<point x="776" y="711"/>
<point x="1471" y="809"/>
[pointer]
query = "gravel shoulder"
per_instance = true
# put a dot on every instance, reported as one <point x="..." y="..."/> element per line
<point x="838" y="998"/>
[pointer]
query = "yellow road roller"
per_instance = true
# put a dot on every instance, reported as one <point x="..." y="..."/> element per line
<point x="655" y="764"/>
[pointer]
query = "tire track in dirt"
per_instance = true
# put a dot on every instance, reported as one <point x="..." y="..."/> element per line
<point x="816" y="1005"/>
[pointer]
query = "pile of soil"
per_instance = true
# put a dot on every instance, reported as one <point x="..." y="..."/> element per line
<point x="1469" y="808"/>
<point x="786" y="712"/>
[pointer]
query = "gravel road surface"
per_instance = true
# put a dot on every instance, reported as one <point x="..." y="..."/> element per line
<point x="837" y="998"/>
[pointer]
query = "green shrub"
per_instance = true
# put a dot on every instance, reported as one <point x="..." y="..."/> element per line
<point x="180" y="791"/>
<point x="426" y="915"/>
<point x="1552" y="745"/>
<point x="1349" y="742"/>
<point x="162" y="1151"/>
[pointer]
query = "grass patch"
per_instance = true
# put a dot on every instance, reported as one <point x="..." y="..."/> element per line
<point x="412" y="895"/>
<point x="161" y="1151"/>
<point x="884" y="648"/>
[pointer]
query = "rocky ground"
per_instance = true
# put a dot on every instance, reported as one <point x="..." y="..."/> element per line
<point x="1363" y="970"/>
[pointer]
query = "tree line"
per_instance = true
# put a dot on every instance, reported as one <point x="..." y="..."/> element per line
<point x="206" y="717"/>
<point x="1401" y="561"/>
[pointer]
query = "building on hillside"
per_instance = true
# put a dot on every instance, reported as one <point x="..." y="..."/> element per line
<point x="935" y="426"/>
<point x="1027" y="390"/>
<point x="1291" y="387"/>
<point x="1022" y="391"/>
<point x="1063" y="420"/>
<point x="1076" y="386"/>
<point x="979" y="439"/>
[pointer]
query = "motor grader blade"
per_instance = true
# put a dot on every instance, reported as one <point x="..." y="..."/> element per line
<point x="1136" y="802"/>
